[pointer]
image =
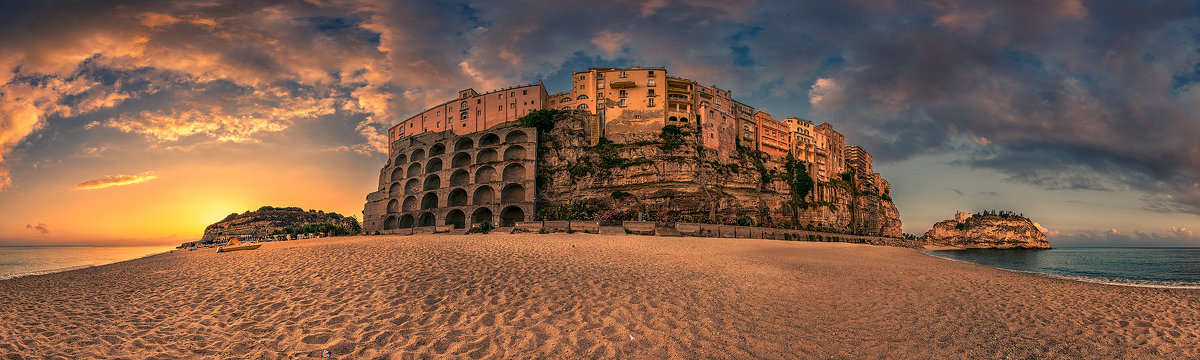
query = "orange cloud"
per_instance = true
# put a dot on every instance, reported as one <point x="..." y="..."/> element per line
<point x="113" y="180"/>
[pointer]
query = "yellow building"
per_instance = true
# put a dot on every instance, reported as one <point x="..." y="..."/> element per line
<point x="804" y="145"/>
<point x="628" y="102"/>
<point x="773" y="137"/>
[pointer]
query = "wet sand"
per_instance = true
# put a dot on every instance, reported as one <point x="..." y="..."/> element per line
<point x="582" y="296"/>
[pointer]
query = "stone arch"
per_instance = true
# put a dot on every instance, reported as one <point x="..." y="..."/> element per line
<point x="457" y="218"/>
<point x="581" y="107"/>
<point x="461" y="159"/>
<point x="516" y="136"/>
<point x="426" y="219"/>
<point x="514" y="172"/>
<point x="434" y="165"/>
<point x="483" y="195"/>
<point x="433" y="182"/>
<point x="515" y="152"/>
<point x="414" y="170"/>
<point x="489" y="140"/>
<point x="464" y="144"/>
<point x="485" y="156"/>
<point x="406" y="222"/>
<point x="391" y="223"/>
<point x="393" y="206"/>
<point x="582" y="97"/>
<point x="397" y="174"/>
<point x="460" y="177"/>
<point x="410" y="203"/>
<point x="429" y="201"/>
<point x="673" y="118"/>
<point x="511" y="215"/>
<point x="480" y="215"/>
<point x="417" y="155"/>
<point x="485" y="174"/>
<point x="682" y="119"/>
<point x="395" y="189"/>
<point x="400" y="160"/>
<point x="458" y="197"/>
<point x="412" y="186"/>
<point x="437" y="149"/>
<point x="513" y="193"/>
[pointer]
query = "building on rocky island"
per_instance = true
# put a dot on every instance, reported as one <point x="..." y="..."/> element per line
<point x="473" y="112"/>
<point x="858" y="159"/>
<point x="443" y="179"/>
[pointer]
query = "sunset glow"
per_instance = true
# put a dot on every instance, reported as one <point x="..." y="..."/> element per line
<point x="145" y="123"/>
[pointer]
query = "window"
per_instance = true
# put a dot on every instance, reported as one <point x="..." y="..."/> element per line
<point x="580" y="86"/>
<point x="651" y="74"/>
<point x="439" y="113"/>
<point x="599" y="84"/>
<point x="582" y="107"/>
<point x="650" y="92"/>
<point x="551" y="102"/>
<point x="583" y="97"/>
<point x="621" y="103"/>
<point x="651" y="103"/>
<point x="477" y="111"/>
<point x="500" y="108"/>
<point x="513" y="106"/>
<point x="463" y="106"/>
<point x="478" y="101"/>
<point x="622" y="93"/>
<point x="650" y="83"/>
<point x="622" y="75"/>
<point x="462" y="116"/>
<point x="581" y="77"/>
<point x="524" y="92"/>
<point x="512" y="93"/>
<point x="599" y="76"/>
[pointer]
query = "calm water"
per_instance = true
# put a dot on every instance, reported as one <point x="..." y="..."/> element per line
<point x="16" y="261"/>
<point x="1154" y="267"/>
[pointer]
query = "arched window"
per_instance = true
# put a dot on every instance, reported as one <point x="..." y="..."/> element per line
<point x="582" y="107"/>
<point x="566" y="108"/>
<point x="462" y="116"/>
<point x="462" y="106"/>
<point x="581" y="97"/>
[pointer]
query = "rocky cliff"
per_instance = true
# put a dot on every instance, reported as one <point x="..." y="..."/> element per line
<point x="986" y="231"/>
<point x="266" y="220"/>
<point x="671" y="177"/>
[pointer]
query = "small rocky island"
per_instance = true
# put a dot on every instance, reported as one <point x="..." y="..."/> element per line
<point x="987" y="230"/>
<point x="277" y="223"/>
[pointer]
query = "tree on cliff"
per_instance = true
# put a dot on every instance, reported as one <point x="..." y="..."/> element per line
<point x="801" y="184"/>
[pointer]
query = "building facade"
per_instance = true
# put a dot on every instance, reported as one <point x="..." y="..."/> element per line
<point x="441" y="179"/>
<point x="464" y="161"/>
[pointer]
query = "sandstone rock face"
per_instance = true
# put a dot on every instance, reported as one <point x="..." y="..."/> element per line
<point x="687" y="180"/>
<point x="986" y="232"/>
<point x="264" y="221"/>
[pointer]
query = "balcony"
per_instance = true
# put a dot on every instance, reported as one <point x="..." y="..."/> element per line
<point x="677" y="97"/>
<point x="622" y="84"/>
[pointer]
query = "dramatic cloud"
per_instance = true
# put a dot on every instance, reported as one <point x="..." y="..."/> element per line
<point x="41" y="228"/>
<point x="113" y="180"/>
<point x="1097" y="95"/>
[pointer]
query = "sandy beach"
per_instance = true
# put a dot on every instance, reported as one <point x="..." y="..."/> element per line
<point x="581" y="296"/>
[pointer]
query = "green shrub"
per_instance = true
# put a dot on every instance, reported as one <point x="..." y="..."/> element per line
<point x="483" y="228"/>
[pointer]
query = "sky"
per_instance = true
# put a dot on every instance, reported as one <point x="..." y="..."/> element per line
<point x="141" y="122"/>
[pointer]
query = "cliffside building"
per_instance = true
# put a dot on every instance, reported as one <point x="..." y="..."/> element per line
<point x="464" y="161"/>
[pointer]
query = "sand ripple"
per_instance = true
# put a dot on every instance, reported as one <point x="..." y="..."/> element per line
<point x="581" y="296"/>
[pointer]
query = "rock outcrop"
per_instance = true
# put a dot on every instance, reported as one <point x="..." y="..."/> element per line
<point x="669" y="176"/>
<point x="262" y="223"/>
<point x="986" y="231"/>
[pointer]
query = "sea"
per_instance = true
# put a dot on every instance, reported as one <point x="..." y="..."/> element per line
<point x="18" y="261"/>
<point x="1147" y="267"/>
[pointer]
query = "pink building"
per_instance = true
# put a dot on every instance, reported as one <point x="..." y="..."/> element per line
<point x="472" y="112"/>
